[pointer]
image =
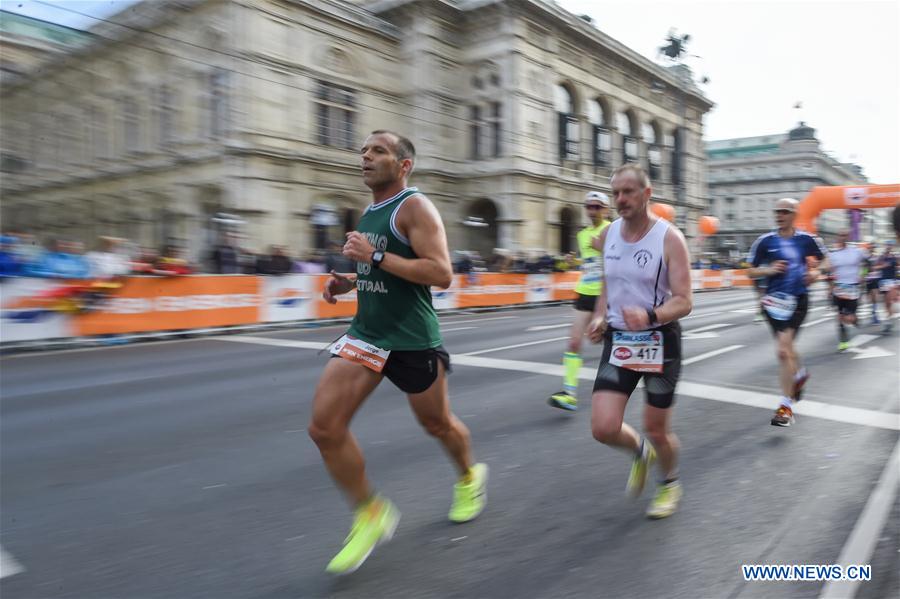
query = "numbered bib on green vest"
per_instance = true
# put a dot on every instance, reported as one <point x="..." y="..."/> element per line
<point x="357" y="350"/>
<point x="592" y="270"/>
<point x="641" y="351"/>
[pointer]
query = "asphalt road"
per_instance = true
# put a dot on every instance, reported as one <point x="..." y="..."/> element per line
<point x="183" y="469"/>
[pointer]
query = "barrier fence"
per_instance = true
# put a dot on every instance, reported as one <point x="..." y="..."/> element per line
<point x="153" y="304"/>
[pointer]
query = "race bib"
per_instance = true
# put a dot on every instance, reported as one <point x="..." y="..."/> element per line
<point x="357" y="350"/>
<point x="641" y="351"/>
<point x="591" y="270"/>
<point x="780" y="306"/>
<point x="846" y="291"/>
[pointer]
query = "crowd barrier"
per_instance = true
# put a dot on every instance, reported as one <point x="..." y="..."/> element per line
<point x="153" y="304"/>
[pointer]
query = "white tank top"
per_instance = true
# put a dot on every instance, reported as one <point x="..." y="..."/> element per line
<point x="636" y="273"/>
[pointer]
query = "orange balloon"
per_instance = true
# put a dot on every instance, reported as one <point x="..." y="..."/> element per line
<point x="709" y="225"/>
<point x="663" y="211"/>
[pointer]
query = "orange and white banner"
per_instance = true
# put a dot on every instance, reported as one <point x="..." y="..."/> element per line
<point x="146" y="304"/>
<point x="149" y="304"/>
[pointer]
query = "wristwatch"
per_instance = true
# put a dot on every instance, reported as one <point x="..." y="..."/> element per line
<point x="377" y="257"/>
<point x="651" y="315"/>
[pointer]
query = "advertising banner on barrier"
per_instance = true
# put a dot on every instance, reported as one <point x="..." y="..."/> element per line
<point x="23" y="317"/>
<point x="148" y="304"/>
<point x="289" y="297"/>
<point x="540" y="288"/>
<point x="564" y="285"/>
<point x="492" y="289"/>
<point x="175" y="303"/>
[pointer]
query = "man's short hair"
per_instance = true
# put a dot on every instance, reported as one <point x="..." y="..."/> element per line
<point x="636" y="169"/>
<point x="403" y="149"/>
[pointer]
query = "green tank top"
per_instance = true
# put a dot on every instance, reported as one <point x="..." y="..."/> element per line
<point x="592" y="260"/>
<point x="391" y="313"/>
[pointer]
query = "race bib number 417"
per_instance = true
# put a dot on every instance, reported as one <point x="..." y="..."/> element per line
<point x="641" y="351"/>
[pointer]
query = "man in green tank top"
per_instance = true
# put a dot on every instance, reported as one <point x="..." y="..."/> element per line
<point x="400" y="250"/>
<point x="588" y="289"/>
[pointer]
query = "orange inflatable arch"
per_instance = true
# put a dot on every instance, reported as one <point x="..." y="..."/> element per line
<point x="845" y="197"/>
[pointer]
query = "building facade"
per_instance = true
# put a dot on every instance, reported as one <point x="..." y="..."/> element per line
<point x="747" y="175"/>
<point x="27" y="43"/>
<point x="187" y="110"/>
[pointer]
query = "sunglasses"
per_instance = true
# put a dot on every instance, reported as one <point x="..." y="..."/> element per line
<point x="594" y="207"/>
<point x="782" y="211"/>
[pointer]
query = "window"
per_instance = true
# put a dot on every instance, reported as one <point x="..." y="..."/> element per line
<point x="475" y="131"/>
<point x="651" y="134"/>
<point x="129" y="115"/>
<point x="629" y="141"/>
<point x="496" y="129"/>
<point x="164" y="115"/>
<point x="218" y="103"/>
<point x="336" y="116"/>
<point x="567" y="124"/>
<point x="602" y="137"/>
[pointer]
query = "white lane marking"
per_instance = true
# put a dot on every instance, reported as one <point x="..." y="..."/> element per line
<point x="812" y="322"/>
<point x="477" y="320"/>
<point x="548" y="326"/>
<point x="707" y="335"/>
<point x="708" y="327"/>
<point x="754" y="399"/>
<point x="8" y="564"/>
<point x="766" y="401"/>
<point x="493" y="349"/>
<point x="711" y="354"/>
<point x="215" y="486"/>
<point x="746" y="311"/>
<point x="862" y="540"/>
<point x="457" y="329"/>
<point x="817" y="308"/>
<point x="275" y="342"/>
<point x="861" y="339"/>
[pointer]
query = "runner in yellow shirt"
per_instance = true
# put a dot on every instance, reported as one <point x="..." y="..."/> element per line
<point x="588" y="289"/>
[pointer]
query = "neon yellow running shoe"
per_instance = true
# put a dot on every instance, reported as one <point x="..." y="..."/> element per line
<point x="640" y="470"/>
<point x="373" y="525"/>
<point x="843" y="346"/>
<point x="564" y="401"/>
<point x="470" y="497"/>
<point x="666" y="501"/>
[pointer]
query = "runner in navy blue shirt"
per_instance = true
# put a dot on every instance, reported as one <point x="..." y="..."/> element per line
<point x="781" y="258"/>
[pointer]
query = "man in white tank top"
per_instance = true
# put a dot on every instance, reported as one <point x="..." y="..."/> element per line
<point x="845" y="263"/>
<point x="646" y="289"/>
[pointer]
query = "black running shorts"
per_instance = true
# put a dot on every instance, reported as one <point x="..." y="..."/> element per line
<point x="845" y="307"/>
<point x="585" y="303"/>
<point x="414" y="371"/>
<point x="794" y="321"/>
<point x="660" y="387"/>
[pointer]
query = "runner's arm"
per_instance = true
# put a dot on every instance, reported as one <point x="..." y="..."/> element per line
<point x="420" y="222"/>
<point x="678" y="260"/>
<point x="597" y="326"/>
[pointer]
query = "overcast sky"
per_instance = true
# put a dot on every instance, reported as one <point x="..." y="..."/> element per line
<point x="841" y="59"/>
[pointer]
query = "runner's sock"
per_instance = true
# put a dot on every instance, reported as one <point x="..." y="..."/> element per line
<point x="787" y="402"/>
<point x="843" y="330"/>
<point x="572" y="364"/>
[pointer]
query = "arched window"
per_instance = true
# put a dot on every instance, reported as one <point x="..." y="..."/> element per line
<point x="625" y="125"/>
<point x="652" y="136"/>
<point x="568" y="123"/>
<point x="601" y="135"/>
